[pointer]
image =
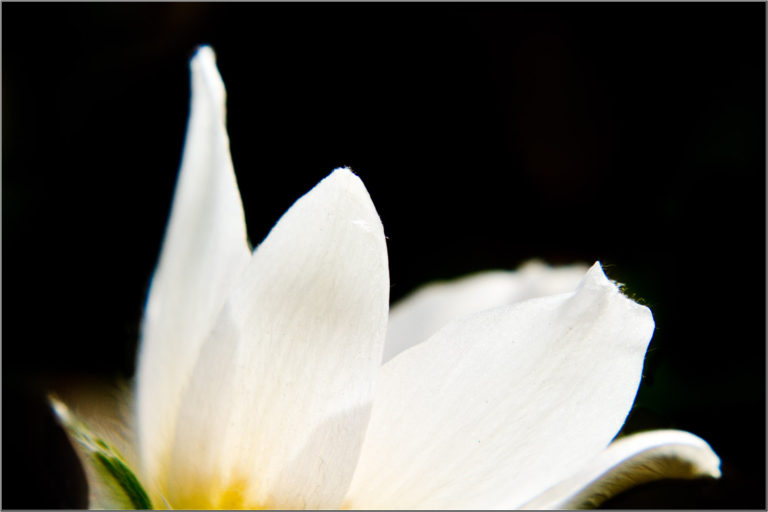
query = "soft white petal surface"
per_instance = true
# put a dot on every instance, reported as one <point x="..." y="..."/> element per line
<point x="280" y="399"/>
<point x="422" y="313"/>
<point x="204" y="251"/>
<point x="631" y="461"/>
<point x="497" y="407"/>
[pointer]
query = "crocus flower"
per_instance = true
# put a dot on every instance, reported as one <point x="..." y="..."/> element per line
<point x="277" y="378"/>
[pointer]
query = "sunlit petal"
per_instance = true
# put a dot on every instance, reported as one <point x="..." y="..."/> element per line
<point x="631" y="461"/>
<point x="496" y="407"/>
<point x="112" y="482"/>
<point x="422" y="313"/>
<point x="280" y="398"/>
<point x="204" y="251"/>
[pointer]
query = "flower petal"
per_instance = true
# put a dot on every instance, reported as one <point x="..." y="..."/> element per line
<point x="106" y="406"/>
<point x="631" y="461"/>
<point x="112" y="483"/>
<point x="422" y="313"/>
<point x="204" y="250"/>
<point x="280" y="398"/>
<point x="497" y="407"/>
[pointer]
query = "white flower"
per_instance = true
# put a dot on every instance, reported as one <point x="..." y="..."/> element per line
<point x="260" y="380"/>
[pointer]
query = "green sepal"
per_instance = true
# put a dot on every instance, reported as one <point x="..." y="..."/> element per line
<point x="113" y="485"/>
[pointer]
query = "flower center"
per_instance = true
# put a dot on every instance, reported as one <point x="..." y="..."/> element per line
<point x="231" y="494"/>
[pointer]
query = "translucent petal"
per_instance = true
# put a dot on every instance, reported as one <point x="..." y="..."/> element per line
<point x="112" y="483"/>
<point x="280" y="398"/>
<point x="497" y="407"/>
<point x="205" y="249"/>
<point x="631" y="461"/>
<point x="422" y="313"/>
<point x="107" y="407"/>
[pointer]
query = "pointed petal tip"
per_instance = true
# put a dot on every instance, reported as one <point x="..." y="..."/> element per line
<point x="61" y="410"/>
<point x="345" y="179"/>
<point x="345" y="183"/>
<point x="204" y="51"/>
<point x="344" y="174"/>
<point x="596" y="275"/>
<point x="206" y="73"/>
<point x="596" y="284"/>
<point x="597" y="267"/>
<point x="595" y="279"/>
<point x="204" y="59"/>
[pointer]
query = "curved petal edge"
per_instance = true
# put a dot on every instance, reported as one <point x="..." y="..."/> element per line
<point x="204" y="251"/>
<point x="112" y="483"/>
<point x="631" y="461"/>
<point x="279" y="401"/>
<point x="424" y="311"/>
<point x="498" y="407"/>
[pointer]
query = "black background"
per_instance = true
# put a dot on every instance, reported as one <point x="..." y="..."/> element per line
<point x="485" y="134"/>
